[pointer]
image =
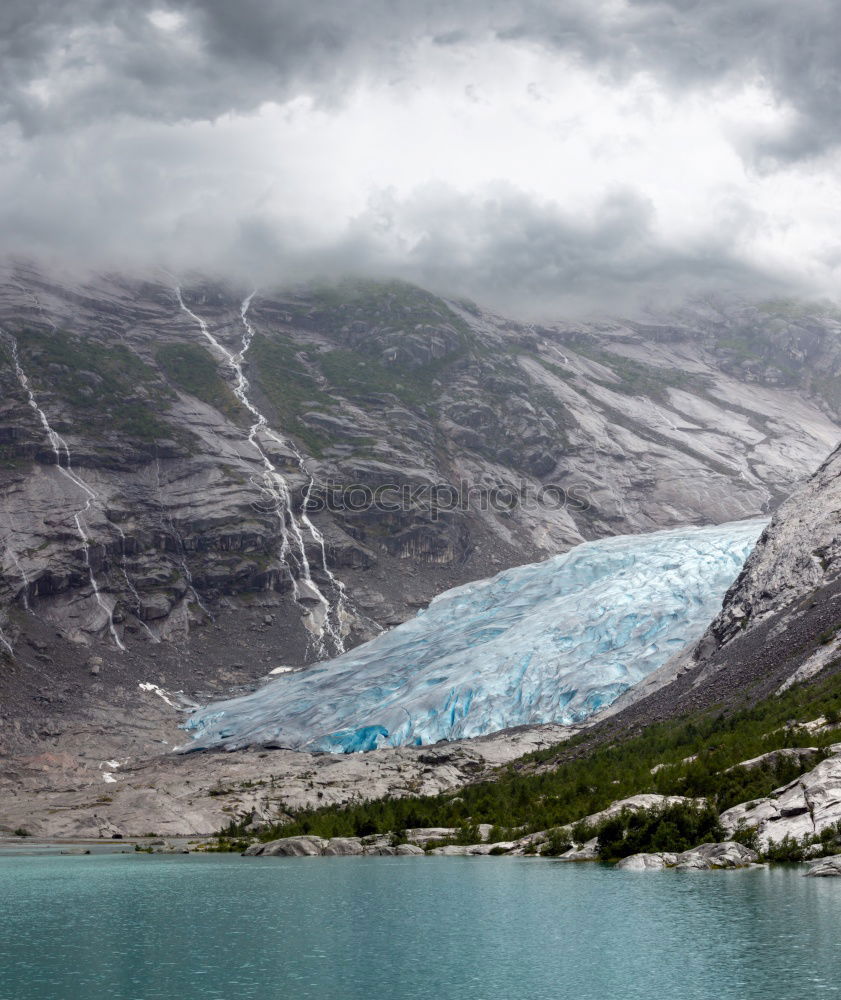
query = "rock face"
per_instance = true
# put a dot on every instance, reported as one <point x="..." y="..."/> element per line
<point x="647" y="862"/>
<point x="335" y="847"/>
<point x="187" y="425"/>
<point x="802" y="755"/>
<point x="289" y="847"/>
<point x="705" y="857"/>
<point x="779" y="623"/>
<point x="588" y="851"/>
<point x="59" y="789"/>
<point x="709" y="856"/>
<point x="826" y="868"/>
<point x="805" y="807"/>
<point x="639" y="803"/>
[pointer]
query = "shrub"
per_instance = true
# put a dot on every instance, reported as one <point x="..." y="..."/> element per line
<point x="788" y="849"/>
<point x="747" y="836"/>
<point x="675" y="828"/>
<point x="557" y="843"/>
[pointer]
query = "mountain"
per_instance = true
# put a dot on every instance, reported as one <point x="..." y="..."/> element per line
<point x="186" y="425"/>
<point x="178" y="464"/>
<point x="746" y="719"/>
<point x="780" y="622"/>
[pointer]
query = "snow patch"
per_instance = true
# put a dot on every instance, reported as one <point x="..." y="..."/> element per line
<point x="146" y="686"/>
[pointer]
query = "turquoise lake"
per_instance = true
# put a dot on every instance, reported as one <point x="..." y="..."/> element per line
<point x="227" y="928"/>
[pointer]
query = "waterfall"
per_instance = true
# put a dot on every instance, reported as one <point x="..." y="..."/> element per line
<point x="322" y="617"/>
<point x="64" y="466"/>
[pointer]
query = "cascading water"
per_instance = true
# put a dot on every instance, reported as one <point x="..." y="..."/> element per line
<point x="335" y="612"/>
<point x="64" y="466"/>
<point x="549" y="642"/>
<point x="322" y="617"/>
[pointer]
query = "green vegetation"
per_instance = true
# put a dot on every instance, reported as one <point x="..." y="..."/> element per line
<point x="678" y="827"/>
<point x="382" y="302"/>
<point x="828" y="841"/>
<point x="354" y="374"/>
<point x="828" y="635"/>
<point x="194" y="370"/>
<point x="226" y="845"/>
<point x="110" y="387"/>
<point x="394" y="306"/>
<point x="556" y="787"/>
<point x="557" y="370"/>
<point x="290" y="386"/>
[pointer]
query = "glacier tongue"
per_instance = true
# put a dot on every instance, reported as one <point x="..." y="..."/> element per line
<point x="548" y="642"/>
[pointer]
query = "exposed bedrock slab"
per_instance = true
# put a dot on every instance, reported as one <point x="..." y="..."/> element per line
<point x="804" y="807"/>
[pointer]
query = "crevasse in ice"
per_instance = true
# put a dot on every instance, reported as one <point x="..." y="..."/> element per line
<point x="548" y="642"/>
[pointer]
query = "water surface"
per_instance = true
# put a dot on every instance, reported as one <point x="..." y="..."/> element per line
<point x="229" y="928"/>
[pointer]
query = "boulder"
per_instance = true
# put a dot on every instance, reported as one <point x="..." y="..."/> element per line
<point x="377" y="840"/>
<point x="288" y="847"/>
<point x="647" y="862"/>
<point x="167" y="848"/>
<point x="588" y="851"/>
<point x="75" y="850"/>
<point x="474" y="850"/>
<point x="705" y="857"/>
<point x="826" y="868"/>
<point x="342" y="847"/>
<point x="409" y="850"/>
<point x="524" y="845"/>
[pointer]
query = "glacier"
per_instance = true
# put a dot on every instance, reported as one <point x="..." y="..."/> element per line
<point x="552" y="641"/>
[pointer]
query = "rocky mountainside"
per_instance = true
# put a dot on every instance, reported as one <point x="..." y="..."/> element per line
<point x="780" y="622"/>
<point x="167" y="451"/>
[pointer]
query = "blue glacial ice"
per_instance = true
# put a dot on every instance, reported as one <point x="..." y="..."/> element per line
<point x="552" y="641"/>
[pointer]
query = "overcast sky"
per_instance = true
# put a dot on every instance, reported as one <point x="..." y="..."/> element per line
<point x="539" y="156"/>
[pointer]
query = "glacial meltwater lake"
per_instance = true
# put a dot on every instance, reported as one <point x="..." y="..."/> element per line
<point x="221" y="927"/>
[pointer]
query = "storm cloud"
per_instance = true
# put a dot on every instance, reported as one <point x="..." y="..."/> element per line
<point x="536" y="155"/>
